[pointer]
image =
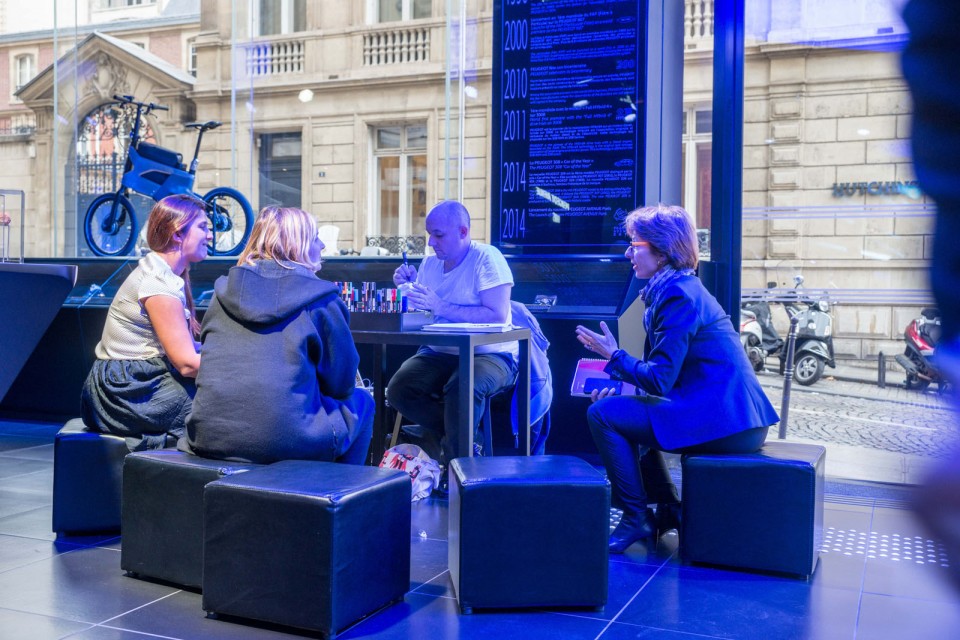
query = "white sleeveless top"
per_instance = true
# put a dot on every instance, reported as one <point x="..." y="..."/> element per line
<point x="128" y="333"/>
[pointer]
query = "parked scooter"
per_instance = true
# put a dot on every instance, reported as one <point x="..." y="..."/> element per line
<point x="758" y="336"/>
<point x="922" y="336"/>
<point x="814" y="347"/>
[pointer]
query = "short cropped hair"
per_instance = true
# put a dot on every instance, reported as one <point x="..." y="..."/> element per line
<point x="284" y="235"/>
<point x="452" y="211"/>
<point x="670" y="231"/>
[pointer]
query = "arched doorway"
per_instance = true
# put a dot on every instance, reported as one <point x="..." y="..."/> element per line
<point x="103" y="136"/>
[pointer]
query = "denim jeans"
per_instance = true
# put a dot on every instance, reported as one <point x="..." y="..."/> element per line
<point x="620" y="425"/>
<point x="359" y="441"/>
<point x="426" y="390"/>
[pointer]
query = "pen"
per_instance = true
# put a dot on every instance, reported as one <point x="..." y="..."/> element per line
<point x="404" y="258"/>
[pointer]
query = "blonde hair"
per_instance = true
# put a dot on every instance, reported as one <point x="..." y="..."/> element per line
<point x="171" y="216"/>
<point x="670" y="232"/>
<point x="284" y="235"/>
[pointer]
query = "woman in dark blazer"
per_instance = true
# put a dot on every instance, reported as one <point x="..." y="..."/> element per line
<point x="701" y="394"/>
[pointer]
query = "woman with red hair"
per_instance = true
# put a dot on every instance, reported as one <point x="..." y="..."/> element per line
<point x="141" y="385"/>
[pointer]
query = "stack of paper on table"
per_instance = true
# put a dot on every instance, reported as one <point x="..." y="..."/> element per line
<point x="469" y="327"/>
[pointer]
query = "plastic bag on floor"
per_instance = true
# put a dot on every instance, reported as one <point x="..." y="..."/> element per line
<point x="423" y="470"/>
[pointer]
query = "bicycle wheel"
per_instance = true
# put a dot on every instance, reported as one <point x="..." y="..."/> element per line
<point x="109" y="231"/>
<point x="231" y="218"/>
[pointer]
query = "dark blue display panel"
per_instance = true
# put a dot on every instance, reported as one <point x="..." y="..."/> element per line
<point x="568" y="109"/>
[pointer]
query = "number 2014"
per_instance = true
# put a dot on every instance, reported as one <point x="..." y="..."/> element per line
<point x="513" y="223"/>
<point x="514" y="176"/>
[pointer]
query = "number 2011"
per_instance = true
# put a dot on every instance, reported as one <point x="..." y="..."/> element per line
<point x="514" y="125"/>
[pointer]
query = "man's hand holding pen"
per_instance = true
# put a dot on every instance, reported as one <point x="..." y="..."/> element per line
<point x="404" y="273"/>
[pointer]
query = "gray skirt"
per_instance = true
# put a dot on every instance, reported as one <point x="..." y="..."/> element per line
<point x="143" y="401"/>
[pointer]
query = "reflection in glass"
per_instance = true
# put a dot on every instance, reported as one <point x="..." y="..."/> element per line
<point x="396" y="10"/>
<point x="417" y="206"/>
<point x="282" y="16"/>
<point x="388" y="190"/>
<point x="417" y="137"/>
<point x="388" y="138"/>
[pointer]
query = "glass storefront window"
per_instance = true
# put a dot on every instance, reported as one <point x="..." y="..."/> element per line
<point x="833" y="221"/>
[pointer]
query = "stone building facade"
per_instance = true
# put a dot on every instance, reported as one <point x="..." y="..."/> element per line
<point x="365" y="125"/>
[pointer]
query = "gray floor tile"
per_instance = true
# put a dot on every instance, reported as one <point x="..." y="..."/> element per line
<point x="870" y="566"/>
<point x="17" y="625"/>
<point x="884" y="616"/>
<point x="84" y="585"/>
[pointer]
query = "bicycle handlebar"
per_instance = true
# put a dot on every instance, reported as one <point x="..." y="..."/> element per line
<point x="150" y="106"/>
<point x="210" y="124"/>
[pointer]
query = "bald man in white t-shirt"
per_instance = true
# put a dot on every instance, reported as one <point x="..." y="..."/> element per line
<point x="465" y="281"/>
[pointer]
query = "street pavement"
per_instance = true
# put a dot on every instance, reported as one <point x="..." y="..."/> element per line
<point x="872" y="433"/>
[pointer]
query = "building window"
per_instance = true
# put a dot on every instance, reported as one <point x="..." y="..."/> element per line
<point x="281" y="174"/>
<point x="192" y="58"/>
<point x="696" y="168"/>
<point x="24" y="68"/>
<point x="396" y="10"/>
<point x="277" y="17"/>
<point x="400" y="162"/>
<point x="117" y="4"/>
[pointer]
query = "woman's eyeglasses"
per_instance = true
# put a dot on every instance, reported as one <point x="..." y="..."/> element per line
<point x="639" y="243"/>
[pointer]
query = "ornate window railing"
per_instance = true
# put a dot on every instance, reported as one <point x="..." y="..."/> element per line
<point x="18" y="125"/>
<point x="276" y="57"/>
<point x="698" y="23"/>
<point x="396" y="46"/>
<point x="395" y="245"/>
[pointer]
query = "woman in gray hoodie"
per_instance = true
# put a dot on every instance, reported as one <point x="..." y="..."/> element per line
<point x="278" y="380"/>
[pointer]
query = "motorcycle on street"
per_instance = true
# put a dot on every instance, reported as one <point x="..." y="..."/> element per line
<point x="758" y="336"/>
<point x="814" y="346"/>
<point x="922" y="336"/>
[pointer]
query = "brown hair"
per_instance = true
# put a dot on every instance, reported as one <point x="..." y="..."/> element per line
<point x="670" y="232"/>
<point x="282" y="234"/>
<point x="171" y="216"/>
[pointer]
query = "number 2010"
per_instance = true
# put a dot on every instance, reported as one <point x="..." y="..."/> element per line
<point x="515" y="83"/>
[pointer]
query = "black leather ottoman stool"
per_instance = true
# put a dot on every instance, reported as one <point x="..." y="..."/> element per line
<point x="313" y="545"/>
<point x="162" y="513"/>
<point x="528" y="532"/>
<point x="760" y="511"/>
<point x="87" y="472"/>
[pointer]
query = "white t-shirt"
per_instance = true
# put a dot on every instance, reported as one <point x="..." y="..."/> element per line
<point x="484" y="267"/>
<point x="128" y="333"/>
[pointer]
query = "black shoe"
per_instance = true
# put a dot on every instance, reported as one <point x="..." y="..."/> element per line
<point x="443" y="489"/>
<point x="632" y="528"/>
<point x="668" y="517"/>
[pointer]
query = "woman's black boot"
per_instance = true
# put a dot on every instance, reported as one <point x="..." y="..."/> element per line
<point x="632" y="528"/>
<point x="668" y="517"/>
